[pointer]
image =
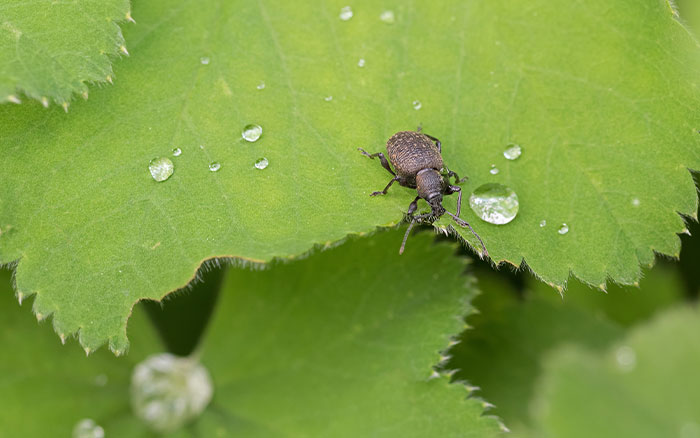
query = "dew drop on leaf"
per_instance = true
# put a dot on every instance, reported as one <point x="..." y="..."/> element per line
<point x="215" y="166"/>
<point x="345" y="13"/>
<point x="361" y="62"/>
<point x="261" y="163"/>
<point x="261" y="86"/>
<point x="328" y="98"/>
<point x="161" y="168"/>
<point x="543" y="223"/>
<point x="417" y="105"/>
<point x="513" y="151"/>
<point x="167" y="391"/>
<point x="494" y="170"/>
<point x="252" y="132"/>
<point x="87" y="428"/>
<point x="563" y="229"/>
<point x="177" y="152"/>
<point x="204" y="60"/>
<point x="494" y="203"/>
<point x="387" y="17"/>
<point x="635" y="202"/>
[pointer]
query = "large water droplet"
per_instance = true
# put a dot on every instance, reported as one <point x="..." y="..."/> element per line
<point x="167" y="391"/>
<point x="563" y="229"/>
<point x="513" y="151"/>
<point x="177" y="152"/>
<point x="161" y="168"/>
<point x="417" y="105"/>
<point x="387" y="17"/>
<point x="214" y="167"/>
<point x="261" y="163"/>
<point x="494" y="203"/>
<point x="87" y="428"/>
<point x="204" y="60"/>
<point x="252" y="132"/>
<point x="361" y="62"/>
<point x="494" y="170"/>
<point x="345" y="13"/>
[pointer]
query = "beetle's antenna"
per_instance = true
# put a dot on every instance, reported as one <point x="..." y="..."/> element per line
<point x="405" y="236"/>
<point x="464" y="223"/>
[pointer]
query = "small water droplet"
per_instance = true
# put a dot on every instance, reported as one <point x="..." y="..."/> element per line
<point x="513" y="151"/>
<point x="167" y="391"/>
<point x="161" y="168"/>
<point x="177" y="152"/>
<point x="563" y="229"/>
<point x="204" y="60"/>
<point x="626" y="358"/>
<point x="215" y="166"/>
<point x="543" y="223"/>
<point x="494" y="170"/>
<point x="417" y="105"/>
<point x="635" y="202"/>
<point x="361" y="62"/>
<point x="261" y="163"/>
<point x="252" y="132"/>
<point x="261" y="86"/>
<point x="328" y="98"/>
<point x="101" y="380"/>
<point x="201" y="146"/>
<point x="494" y="203"/>
<point x="345" y="13"/>
<point x="387" y="17"/>
<point x="87" y="428"/>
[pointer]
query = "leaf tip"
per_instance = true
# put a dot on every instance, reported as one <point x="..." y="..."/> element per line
<point x="45" y="101"/>
<point x="65" y="106"/>
<point x="122" y="49"/>
<point x="13" y="98"/>
<point x="20" y="297"/>
<point x="129" y="18"/>
<point x="109" y="79"/>
<point x="62" y="336"/>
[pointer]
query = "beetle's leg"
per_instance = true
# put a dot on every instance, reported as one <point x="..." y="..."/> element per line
<point x="382" y="158"/>
<point x="437" y="142"/>
<point x="413" y="207"/>
<point x="383" y="192"/>
<point x="418" y="218"/>
<point x="457" y="178"/>
<point x="452" y="189"/>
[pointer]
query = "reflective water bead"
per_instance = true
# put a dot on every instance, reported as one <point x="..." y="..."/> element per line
<point x="387" y="17"/>
<point x="513" y="151"/>
<point x="252" y="132"/>
<point x="87" y="428"/>
<point x="494" y="203"/>
<point x="328" y="98"/>
<point x="177" y="152"/>
<point x="543" y="223"/>
<point x="214" y="167"/>
<point x="261" y="163"/>
<point x="260" y="86"/>
<point x="494" y="170"/>
<point x="563" y="229"/>
<point x="204" y="60"/>
<point x="345" y="13"/>
<point x="361" y="62"/>
<point x="161" y="168"/>
<point x="417" y="105"/>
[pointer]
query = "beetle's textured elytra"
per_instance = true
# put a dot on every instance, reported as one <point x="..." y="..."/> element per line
<point x="417" y="160"/>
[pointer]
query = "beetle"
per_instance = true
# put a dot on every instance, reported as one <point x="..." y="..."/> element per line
<point x="417" y="158"/>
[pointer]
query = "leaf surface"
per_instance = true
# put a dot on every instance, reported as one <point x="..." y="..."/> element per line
<point x="316" y="348"/>
<point x="601" y="96"/>
<point x="53" y="49"/>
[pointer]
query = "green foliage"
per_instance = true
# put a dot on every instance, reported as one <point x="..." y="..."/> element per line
<point x="600" y="95"/>
<point x="52" y="49"/>
<point x="316" y="348"/>
<point x="646" y="385"/>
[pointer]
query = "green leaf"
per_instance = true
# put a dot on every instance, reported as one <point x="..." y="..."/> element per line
<point x="51" y="49"/>
<point x="317" y="348"/>
<point x="501" y="353"/>
<point x="601" y="95"/>
<point x="647" y="385"/>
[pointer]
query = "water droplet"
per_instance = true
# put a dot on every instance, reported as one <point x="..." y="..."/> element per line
<point x="361" y="62"/>
<point x="101" y="379"/>
<point x="201" y="146"/>
<point x="177" y="152"/>
<point x="495" y="203"/>
<point x="87" y="428"/>
<point x="328" y="98"/>
<point x="494" y="170"/>
<point x="513" y="151"/>
<point x="261" y="86"/>
<point x="215" y="166"/>
<point x="345" y="13"/>
<point x="635" y="202"/>
<point x="252" y="133"/>
<point x="417" y="105"/>
<point x="204" y="60"/>
<point x="543" y="223"/>
<point x="626" y="358"/>
<point x="563" y="229"/>
<point x="261" y="163"/>
<point x="387" y="17"/>
<point x="161" y="168"/>
<point x="167" y="391"/>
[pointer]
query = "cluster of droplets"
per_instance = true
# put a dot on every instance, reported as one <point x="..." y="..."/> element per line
<point x="87" y="428"/>
<point x="168" y="391"/>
